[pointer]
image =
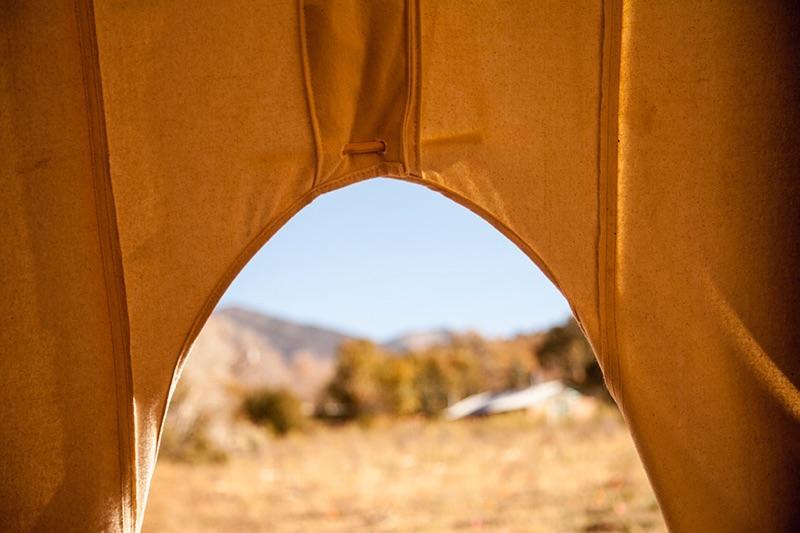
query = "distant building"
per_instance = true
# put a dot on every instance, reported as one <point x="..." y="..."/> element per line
<point x="551" y="399"/>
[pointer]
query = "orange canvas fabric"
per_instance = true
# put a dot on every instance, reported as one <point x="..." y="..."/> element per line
<point x="642" y="154"/>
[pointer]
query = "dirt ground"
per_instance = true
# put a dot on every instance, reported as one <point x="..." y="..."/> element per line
<point x="507" y="473"/>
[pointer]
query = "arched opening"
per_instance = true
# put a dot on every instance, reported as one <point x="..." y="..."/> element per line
<point x="491" y="307"/>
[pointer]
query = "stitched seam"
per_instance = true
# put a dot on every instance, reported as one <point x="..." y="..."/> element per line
<point x="410" y="136"/>
<point x="418" y="87"/>
<point x="607" y="188"/>
<point x="111" y="256"/>
<point x="496" y="223"/>
<point x="599" y="239"/>
<point x="409" y="84"/>
<point x="310" y="100"/>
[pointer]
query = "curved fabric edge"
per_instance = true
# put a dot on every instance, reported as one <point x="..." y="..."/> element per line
<point x="607" y="198"/>
<point x="262" y="239"/>
<point x="111" y="256"/>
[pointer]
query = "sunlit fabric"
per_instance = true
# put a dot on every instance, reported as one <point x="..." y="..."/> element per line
<point x="643" y="154"/>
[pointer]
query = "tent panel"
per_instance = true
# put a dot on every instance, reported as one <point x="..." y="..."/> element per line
<point x="357" y="75"/>
<point x="59" y="443"/>
<point x="708" y="259"/>
<point x="509" y="121"/>
<point x="224" y="119"/>
<point x="210" y="142"/>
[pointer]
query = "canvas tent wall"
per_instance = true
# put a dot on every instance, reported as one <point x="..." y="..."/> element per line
<point x="643" y="154"/>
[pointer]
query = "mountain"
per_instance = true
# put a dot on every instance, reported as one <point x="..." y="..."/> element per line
<point x="240" y="350"/>
<point x="243" y="349"/>
<point x="419" y="340"/>
<point x="286" y="337"/>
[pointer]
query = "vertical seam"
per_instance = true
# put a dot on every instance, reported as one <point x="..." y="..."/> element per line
<point x="309" y="90"/>
<point x="410" y="137"/>
<point x="418" y="86"/>
<point x="599" y="220"/>
<point x="111" y="256"/>
<point x="607" y="189"/>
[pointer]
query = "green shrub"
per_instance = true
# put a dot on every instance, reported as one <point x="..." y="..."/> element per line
<point x="279" y="410"/>
<point x="432" y="386"/>
<point x="370" y="382"/>
<point x="354" y="392"/>
<point x="396" y="378"/>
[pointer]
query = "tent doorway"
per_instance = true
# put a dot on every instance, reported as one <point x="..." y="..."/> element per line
<point x="326" y="257"/>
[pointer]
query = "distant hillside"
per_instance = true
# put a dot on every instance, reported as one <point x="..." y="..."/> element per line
<point x="236" y="351"/>
<point x="419" y="340"/>
<point x="240" y="350"/>
<point x="287" y="337"/>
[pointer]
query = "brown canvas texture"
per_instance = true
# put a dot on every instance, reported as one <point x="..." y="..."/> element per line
<point x="643" y="154"/>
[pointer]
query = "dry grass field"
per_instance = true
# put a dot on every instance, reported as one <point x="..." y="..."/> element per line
<point x="508" y="473"/>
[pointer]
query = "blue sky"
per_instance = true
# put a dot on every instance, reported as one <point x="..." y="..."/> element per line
<point x="384" y="257"/>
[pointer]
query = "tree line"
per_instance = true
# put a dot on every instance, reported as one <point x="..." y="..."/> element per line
<point x="370" y="381"/>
